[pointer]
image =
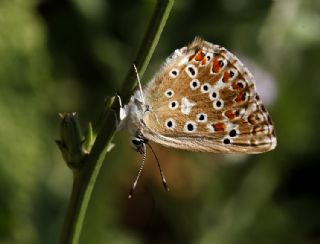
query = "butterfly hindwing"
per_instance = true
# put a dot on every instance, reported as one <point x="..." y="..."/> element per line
<point x="204" y="99"/>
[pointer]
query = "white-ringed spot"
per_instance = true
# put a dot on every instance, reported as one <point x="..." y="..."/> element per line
<point x="222" y="63"/>
<point x="218" y="104"/>
<point x="174" y="73"/>
<point x="217" y="65"/>
<point x="186" y="105"/>
<point x="170" y="124"/>
<point x="213" y="95"/>
<point x="209" y="56"/>
<point x="241" y="84"/>
<point x="202" y="117"/>
<point x="169" y="93"/>
<point x="190" y="126"/>
<point x="233" y="133"/>
<point x="194" y="84"/>
<point x="206" y="59"/>
<point x="226" y="140"/>
<point x="173" y="104"/>
<point x="191" y="71"/>
<point x="232" y="74"/>
<point x="205" y="88"/>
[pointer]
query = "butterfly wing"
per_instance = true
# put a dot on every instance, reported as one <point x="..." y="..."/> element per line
<point x="204" y="99"/>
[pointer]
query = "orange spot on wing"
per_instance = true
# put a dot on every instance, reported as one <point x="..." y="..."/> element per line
<point x="235" y="85"/>
<point x="192" y="56"/>
<point x="203" y="62"/>
<point x="226" y="76"/>
<point x="229" y="114"/>
<point x="199" y="56"/>
<point x="219" y="126"/>
<point x="215" y="66"/>
<point x="240" y="97"/>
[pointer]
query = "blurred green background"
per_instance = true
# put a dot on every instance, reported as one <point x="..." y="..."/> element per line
<point x="60" y="56"/>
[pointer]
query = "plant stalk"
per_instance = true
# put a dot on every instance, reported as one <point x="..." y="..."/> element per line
<point x="84" y="179"/>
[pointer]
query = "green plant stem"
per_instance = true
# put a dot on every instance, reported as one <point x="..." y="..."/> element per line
<point x="84" y="179"/>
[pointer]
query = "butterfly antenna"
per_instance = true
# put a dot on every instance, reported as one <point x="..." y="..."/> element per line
<point x="164" y="182"/>
<point x="139" y="172"/>
<point x="139" y="83"/>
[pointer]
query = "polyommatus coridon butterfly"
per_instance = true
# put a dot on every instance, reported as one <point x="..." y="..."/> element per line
<point x="202" y="99"/>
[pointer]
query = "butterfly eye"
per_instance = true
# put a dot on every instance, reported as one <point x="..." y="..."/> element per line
<point x="205" y="88"/>
<point x="190" y="126"/>
<point x="137" y="144"/>
<point x="169" y="93"/>
<point x="173" y="105"/>
<point x="174" y="73"/>
<point x="194" y="84"/>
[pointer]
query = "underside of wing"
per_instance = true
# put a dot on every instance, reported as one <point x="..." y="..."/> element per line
<point x="204" y="99"/>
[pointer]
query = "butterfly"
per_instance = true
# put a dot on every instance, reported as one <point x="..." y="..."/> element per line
<point x="202" y="99"/>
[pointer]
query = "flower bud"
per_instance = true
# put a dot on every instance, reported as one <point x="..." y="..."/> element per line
<point x="71" y="142"/>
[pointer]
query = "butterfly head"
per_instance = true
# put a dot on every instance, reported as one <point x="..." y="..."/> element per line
<point x="138" y="143"/>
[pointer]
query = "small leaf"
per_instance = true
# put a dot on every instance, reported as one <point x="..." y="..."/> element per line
<point x="90" y="138"/>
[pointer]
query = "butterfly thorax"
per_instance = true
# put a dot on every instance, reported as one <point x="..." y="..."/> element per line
<point x="131" y="119"/>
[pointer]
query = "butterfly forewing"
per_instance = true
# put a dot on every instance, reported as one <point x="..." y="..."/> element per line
<point x="204" y="99"/>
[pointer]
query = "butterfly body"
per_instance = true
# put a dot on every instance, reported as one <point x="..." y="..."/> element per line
<point x="202" y="99"/>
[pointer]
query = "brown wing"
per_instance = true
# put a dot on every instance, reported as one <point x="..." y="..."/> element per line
<point x="204" y="99"/>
